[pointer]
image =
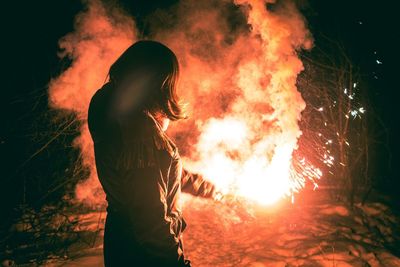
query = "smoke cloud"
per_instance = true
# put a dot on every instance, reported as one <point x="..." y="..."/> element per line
<point x="239" y="68"/>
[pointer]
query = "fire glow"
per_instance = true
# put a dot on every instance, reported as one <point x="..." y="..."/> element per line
<point x="223" y="145"/>
<point x="239" y="81"/>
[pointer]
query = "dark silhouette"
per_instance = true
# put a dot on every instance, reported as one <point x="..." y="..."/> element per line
<point x="138" y="166"/>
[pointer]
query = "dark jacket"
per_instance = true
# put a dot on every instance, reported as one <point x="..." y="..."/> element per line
<point x="141" y="173"/>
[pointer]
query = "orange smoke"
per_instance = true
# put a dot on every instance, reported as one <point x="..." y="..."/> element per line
<point x="95" y="44"/>
<point x="239" y="68"/>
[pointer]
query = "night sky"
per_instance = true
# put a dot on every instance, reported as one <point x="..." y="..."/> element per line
<point x="368" y="30"/>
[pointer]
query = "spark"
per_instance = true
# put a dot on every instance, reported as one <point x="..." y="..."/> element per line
<point x="354" y="113"/>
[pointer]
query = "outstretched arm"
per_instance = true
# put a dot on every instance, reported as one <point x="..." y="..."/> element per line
<point x="196" y="185"/>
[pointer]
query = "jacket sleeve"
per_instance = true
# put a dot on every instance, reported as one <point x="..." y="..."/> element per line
<point x="196" y="185"/>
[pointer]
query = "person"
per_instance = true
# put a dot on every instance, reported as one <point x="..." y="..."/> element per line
<point x="138" y="165"/>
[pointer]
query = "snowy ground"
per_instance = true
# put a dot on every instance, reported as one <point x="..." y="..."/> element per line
<point x="306" y="233"/>
<point x="318" y="235"/>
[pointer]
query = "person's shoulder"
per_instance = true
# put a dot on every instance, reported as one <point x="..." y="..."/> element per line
<point x="100" y="97"/>
<point x="159" y="138"/>
<point x="98" y="108"/>
<point x="143" y="129"/>
<point x="164" y="143"/>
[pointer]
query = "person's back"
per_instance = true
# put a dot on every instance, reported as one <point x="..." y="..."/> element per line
<point x="141" y="172"/>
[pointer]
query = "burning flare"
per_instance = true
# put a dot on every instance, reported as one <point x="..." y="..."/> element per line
<point x="240" y="166"/>
<point x="239" y="68"/>
<point x="248" y="150"/>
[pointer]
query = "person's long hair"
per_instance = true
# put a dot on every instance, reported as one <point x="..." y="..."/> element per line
<point x="162" y="64"/>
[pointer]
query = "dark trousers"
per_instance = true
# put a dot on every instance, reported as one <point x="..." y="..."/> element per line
<point x="121" y="249"/>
